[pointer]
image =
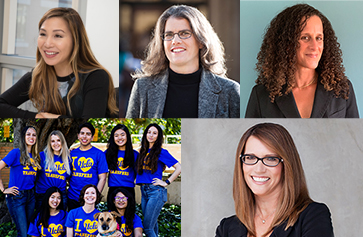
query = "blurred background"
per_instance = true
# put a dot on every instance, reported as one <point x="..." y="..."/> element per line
<point x="137" y="22"/>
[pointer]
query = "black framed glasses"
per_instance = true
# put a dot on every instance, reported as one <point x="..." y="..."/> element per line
<point x="183" y="34"/>
<point x="270" y="161"/>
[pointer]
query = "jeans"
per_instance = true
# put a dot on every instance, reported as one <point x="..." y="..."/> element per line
<point x="153" y="199"/>
<point x="21" y="208"/>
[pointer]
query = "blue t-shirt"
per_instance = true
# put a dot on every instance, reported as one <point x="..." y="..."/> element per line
<point x="137" y="224"/>
<point x="49" y="178"/>
<point x="85" y="166"/>
<point x="22" y="177"/>
<point x="122" y="177"/>
<point x="83" y="223"/>
<point x="55" y="226"/>
<point x="164" y="159"/>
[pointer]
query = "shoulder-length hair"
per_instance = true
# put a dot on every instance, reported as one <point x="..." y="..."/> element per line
<point x="83" y="191"/>
<point x="211" y="55"/>
<point x="113" y="148"/>
<point x="25" y="158"/>
<point x="277" y="59"/>
<point x="130" y="209"/>
<point x="146" y="158"/>
<point x="64" y="152"/>
<point x="44" y="210"/>
<point x="294" y="197"/>
<point x="43" y="90"/>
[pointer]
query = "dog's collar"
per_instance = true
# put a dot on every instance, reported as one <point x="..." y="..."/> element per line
<point x="107" y="234"/>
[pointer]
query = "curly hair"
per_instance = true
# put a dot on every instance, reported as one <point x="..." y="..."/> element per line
<point x="211" y="55"/>
<point x="277" y="58"/>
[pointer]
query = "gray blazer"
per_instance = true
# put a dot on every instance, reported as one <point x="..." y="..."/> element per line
<point x="218" y="97"/>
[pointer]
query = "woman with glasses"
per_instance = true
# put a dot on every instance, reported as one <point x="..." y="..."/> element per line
<point x="269" y="189"/>
<point x="300" y="70"/>
<point x="184" y="73"/>
<point x="123" y="202"/>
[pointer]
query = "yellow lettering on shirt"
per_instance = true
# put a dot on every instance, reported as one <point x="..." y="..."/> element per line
<point x="77" y="228"/>
<point x="76" y="174"/>
<point x="119" y="172"/>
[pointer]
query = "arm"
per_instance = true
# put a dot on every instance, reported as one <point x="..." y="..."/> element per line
<point x="316" y="221"/>
<point x="133" y="109"/>
<point x="101" y="181"/>
<point x="352" y="109"/>
<point x="95" y="94"/>
<point x="138" y="232"/>
<point x="234" y="101"/>
<point x="175" y="174"/>
<point x="13" y="190"/>
<point x="253" y="107"/>
<point x="69" y="232"/>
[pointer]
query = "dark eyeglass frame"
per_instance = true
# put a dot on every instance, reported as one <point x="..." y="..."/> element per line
<point x="178" y="33"/>
<point x="261" y="159"/>
<point x="124" y="198"/>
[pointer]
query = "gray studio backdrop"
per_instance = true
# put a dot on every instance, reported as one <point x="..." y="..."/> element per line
<point x="332" y="156"/>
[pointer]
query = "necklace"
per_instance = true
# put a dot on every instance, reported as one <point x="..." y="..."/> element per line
<point x="264" y="219"/>
<point x="312" y="81"/>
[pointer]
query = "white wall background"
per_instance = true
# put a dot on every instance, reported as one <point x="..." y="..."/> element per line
<point x="102" y="26"/>
<point x="332" y="156"/>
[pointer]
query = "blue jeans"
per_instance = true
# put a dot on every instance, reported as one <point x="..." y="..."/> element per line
<point x="153" y="199"/>
<point x="21" y="208"/>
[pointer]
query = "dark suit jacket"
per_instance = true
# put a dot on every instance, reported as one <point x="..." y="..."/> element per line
<point x="314" y="221"/>
<point x="326" y="105"/>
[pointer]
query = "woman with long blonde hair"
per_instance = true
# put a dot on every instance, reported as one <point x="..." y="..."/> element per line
<point x="269" y="189"/>
<point x="67" y="80"/>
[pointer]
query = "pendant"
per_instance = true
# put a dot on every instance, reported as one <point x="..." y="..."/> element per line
<point x="263" y="221"/>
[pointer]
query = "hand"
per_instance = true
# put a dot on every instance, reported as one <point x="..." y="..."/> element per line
<point x="118" y="234"/>
<point x="159" y="182"/>
<point x="13" y="190"/>
<point x="46" y="115"/>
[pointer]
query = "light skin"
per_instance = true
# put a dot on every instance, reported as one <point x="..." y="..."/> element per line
<point x="264" y="182"/>
<point x="120" y="139"/>
<point x="121" y="207"/>
<point x="56" y="144"/>
<point x="30" y="140"/>
<point x="308" y="56"/>
<point x="183" y="54"/>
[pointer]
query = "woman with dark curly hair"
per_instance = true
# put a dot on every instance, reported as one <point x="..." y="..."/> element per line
<point x="184" y="73"/>
<point x="300" y="70"/>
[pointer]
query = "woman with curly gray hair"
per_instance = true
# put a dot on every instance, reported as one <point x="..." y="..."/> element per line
<point x="300" y="70"/>
<point x="184" y="73"/>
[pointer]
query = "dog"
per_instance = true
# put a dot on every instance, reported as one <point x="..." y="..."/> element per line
<point x="107" y="225"/>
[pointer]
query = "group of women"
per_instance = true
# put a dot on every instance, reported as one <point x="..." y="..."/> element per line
<point x="30" y="188"/>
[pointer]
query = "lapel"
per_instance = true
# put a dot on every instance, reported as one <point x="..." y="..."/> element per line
<point x="287" y="106"/>
<point x="156" y="95"/>
<point x="321" y="101"/>
<point x="209" y="90"/>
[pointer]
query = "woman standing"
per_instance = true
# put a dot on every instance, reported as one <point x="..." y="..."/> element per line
<point x="54" y="161"/>
<point x="122" y="201"/>
<point x="150" y="165"/>
<point x="23" y="163"/>
<point x="121" y="160"/>
<point x="49" y="220"/>
<point x="80" y="221"/>
<point x="67" y="79"/>
<point x="184" y="73"/>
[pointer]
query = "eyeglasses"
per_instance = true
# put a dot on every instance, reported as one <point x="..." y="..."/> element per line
<point x="183" y="34"/>
<point x="117" y="198"/>
<point x="268" y="161"/>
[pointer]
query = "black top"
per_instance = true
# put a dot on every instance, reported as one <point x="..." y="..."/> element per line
<point x="314" y="221"/>
<point x="182" y="95"/>
<point x="326" y="105"/>
<point x="89" y="102"/>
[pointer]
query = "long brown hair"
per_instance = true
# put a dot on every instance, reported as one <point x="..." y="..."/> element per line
<point x="294" y="197"/>
<point x="43" y="90"/>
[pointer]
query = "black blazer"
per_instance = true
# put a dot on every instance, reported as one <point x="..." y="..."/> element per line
<point x="314" y="221"/>
<point x="326" y="105"/>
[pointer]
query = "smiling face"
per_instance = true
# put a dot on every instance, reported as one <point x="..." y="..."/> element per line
<point x="30" y="137"/>
<point x="152" y="135"/>
<point x="90" y="196"/>
<point x="55" y="44"/>
<point x="85" y="137"/>
<point x="56" y="144"/>
<point x="120" y="201"/>
<point x="54" y="200"/>
<point x="261" y="179"/>
<point x="311" y="44"/>
<point x="120" y="138"/>
<point x="183" y="54"/>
